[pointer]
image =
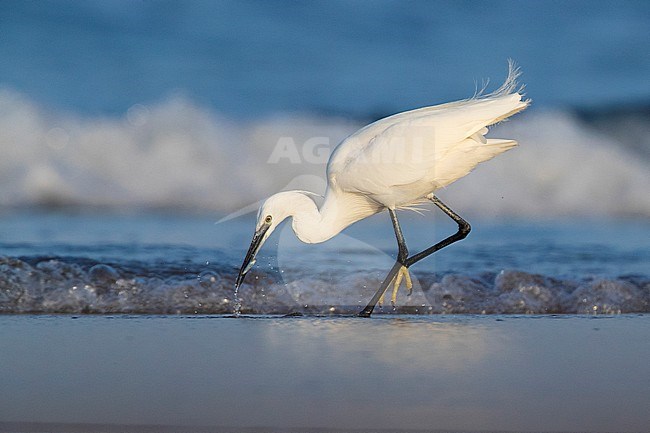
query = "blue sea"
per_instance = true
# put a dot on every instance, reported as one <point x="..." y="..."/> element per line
<point x="138" y="139"/>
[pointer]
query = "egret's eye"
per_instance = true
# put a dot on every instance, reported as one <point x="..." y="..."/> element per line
<point x="268" y="219"/>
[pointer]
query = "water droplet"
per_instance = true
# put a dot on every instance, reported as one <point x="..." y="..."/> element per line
<point x="237" y="307"/>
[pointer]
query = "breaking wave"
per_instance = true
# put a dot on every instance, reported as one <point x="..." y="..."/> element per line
<point x="181" y="156"/>
<point x="76" y="286"/>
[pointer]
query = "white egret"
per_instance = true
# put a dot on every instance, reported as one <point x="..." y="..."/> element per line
<point x="396" y="163"/>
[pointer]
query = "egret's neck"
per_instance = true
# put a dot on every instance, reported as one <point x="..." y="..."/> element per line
<point x="338" y="211"/>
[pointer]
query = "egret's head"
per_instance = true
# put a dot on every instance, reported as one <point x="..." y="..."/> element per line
<point x="274" y="210"/>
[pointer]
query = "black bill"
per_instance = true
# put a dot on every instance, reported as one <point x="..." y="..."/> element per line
<point x="249" y="260"/>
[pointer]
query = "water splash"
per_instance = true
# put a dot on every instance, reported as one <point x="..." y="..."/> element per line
<point x="237" y="304"/>
<point x="73" y="286"/>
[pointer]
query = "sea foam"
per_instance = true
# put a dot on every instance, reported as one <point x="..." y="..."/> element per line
<point x="62" y="285"/>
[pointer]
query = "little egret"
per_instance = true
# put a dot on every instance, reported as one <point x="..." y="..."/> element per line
<point x="395" y="163"/>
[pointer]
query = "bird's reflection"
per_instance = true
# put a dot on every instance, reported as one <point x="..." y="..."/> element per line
<point x="407" y="346"/>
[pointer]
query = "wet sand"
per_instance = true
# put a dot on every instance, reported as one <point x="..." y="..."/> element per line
<point x="267" y="374"/>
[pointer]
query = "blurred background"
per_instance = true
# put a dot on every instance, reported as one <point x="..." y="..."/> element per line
<point x="179" y="106"/>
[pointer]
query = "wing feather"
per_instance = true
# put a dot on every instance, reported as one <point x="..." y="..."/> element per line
<point x="415" y="146"/>
<point x="398" y="159"/>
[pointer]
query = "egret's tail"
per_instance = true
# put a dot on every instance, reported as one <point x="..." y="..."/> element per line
<point x="492" y="108"/>
<point x="471" y="117"/>
<point x="508" y="100"/>
<point x="509" y="86"/>
<point x="466" y="125"/>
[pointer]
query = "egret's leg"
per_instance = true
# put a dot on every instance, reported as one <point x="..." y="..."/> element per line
<point x="402" y="255"/>
<point x="463" y="230"/>
<point x="403" y="251"/>
<point x="366" y="312"/>
<point x="399" y="270"/>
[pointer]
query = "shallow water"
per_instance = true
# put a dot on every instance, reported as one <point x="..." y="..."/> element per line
<point x="157" y="264"/>
<point x="460" y="373"/>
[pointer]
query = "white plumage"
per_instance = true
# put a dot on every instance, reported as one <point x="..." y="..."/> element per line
<point x="395" y="163"/>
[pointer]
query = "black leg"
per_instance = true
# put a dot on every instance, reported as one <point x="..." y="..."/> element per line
<point x="403" y="251"/>
<point x="463" y="230"/>
<point x="366" y="312"/>
<point x="402" y="257"/>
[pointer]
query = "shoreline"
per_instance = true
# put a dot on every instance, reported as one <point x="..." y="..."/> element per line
<point x="324" y="374"/>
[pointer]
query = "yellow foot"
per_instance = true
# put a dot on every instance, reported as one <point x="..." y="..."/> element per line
<point x="403" y="273"/>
